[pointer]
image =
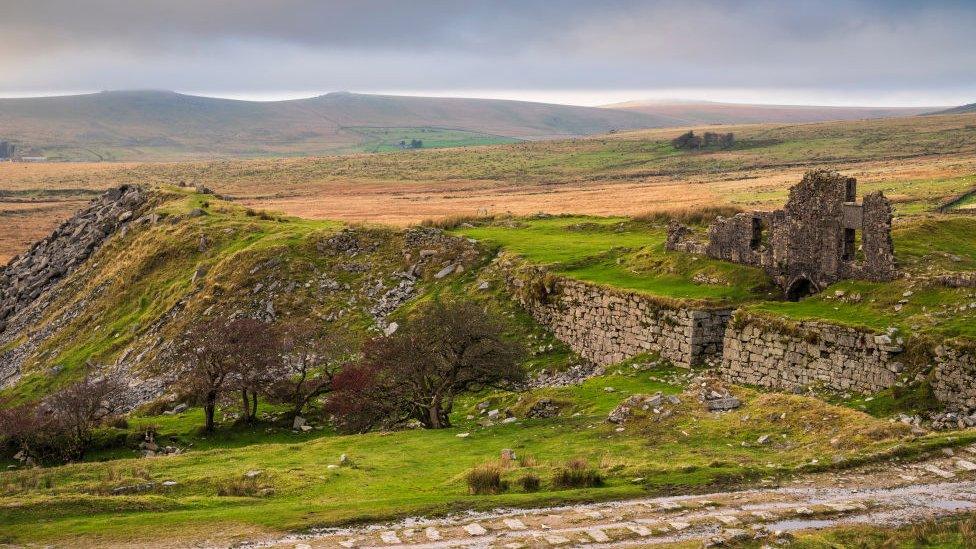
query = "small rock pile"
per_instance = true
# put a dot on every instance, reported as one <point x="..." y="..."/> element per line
<point x="149" y="448"/>
<point x="947" y="421"/>
<point x="656" y="404"/>
<point x="716" y="396"/>
<point x="574" y="375"/>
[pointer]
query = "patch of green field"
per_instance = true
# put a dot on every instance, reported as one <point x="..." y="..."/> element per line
<point x="410" y="472"/>
<point x="389" y="139"/>
<point x="621" y="253"/>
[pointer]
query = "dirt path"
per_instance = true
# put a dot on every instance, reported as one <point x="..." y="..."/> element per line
<point x="889" y="494"/>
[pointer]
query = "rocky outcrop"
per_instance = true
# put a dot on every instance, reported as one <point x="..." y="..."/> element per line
<point x="27" y="276"/>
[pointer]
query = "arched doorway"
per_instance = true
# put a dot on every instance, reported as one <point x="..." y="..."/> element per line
<point x="800" y="288"/>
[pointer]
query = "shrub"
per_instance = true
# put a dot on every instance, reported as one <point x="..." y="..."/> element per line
<point x="528" y="460"/>
<point x="577" y="474"/>
<point x="530" y="482"/>
<point x="485" y="479"/>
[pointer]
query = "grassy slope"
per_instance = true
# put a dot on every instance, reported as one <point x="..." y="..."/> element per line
<point x="404" y="473"/>
<point x="250" y="260"/>
<point x="155" y="125"/>
<point x="689" y="113"/>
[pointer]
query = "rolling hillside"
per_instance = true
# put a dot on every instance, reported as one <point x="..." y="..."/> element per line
<point x="149" y="125"/>
<point x="691" y="113"/>
<point x="963" y="109"/>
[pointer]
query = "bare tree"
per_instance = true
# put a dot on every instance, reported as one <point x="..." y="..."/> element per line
<point x="416" y="373"/>
<point x="253" y="349"/>
<point x="25" y="429"/>
<point x="81" y="407"/>
<point x="311" y="356"/>
<point x="206" y="366"/>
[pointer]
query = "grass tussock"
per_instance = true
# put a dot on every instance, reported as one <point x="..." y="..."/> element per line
<point x="697" y="215"/>
<point x="243" y="487"/>
<point x="530" y="482"/>
<point x="485" y="479"/>
<point x="456" y="221"/>
<point x="577" y="473"/>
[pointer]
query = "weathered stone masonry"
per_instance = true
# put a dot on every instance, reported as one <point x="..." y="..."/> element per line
<point x="954" y="378"/>
<point x="811" y="242"/>
<point x="607" y="325"/>
<point x="808" y="354"/>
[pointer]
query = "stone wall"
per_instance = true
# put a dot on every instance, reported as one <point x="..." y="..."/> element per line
<point x="783" y="356"/>
<point x="608" y="325"/>
<point x="954" y="378"/>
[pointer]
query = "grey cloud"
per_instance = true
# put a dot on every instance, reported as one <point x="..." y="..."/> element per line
<point x="530" y="44"/>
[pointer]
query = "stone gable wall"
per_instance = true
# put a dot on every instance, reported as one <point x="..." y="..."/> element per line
<point x="767" y="354"/>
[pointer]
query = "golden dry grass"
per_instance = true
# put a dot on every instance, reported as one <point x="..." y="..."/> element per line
<point x="916" y="161"/>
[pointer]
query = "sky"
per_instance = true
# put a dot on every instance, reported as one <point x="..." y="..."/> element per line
<point x="586" y="52"/>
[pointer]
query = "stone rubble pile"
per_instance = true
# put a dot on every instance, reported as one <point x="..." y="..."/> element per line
<point x="716" y="397"/>
<point x="658" y="404"/>
<point x="27" y="276"/>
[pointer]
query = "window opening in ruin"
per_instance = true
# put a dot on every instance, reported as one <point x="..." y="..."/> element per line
<point x="800" y="288"/>
<point x="850" y="243"/>
<point x="757" y="234"/>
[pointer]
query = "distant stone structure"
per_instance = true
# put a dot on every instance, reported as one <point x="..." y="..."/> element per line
<point x="689" y="140"/>
<point x="811" y="242"/>
<point x="6" y="150"/>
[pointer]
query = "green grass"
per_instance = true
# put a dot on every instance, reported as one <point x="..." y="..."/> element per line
<point x="410" y="472"/>
<point x="620" y="253"/>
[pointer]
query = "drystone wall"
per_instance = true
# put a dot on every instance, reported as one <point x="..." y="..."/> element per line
<point x="954" y="377"/>
<point x="607" y="325"/>
<point x="758" y="351"/>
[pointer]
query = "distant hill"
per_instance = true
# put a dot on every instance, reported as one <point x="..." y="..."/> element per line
<point x="964" y="109"/>
<point x="141" y="125"/>
<point x="692" y="113"/>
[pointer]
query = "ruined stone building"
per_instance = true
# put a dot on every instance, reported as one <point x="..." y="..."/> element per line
<point x="810" y="243"/>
